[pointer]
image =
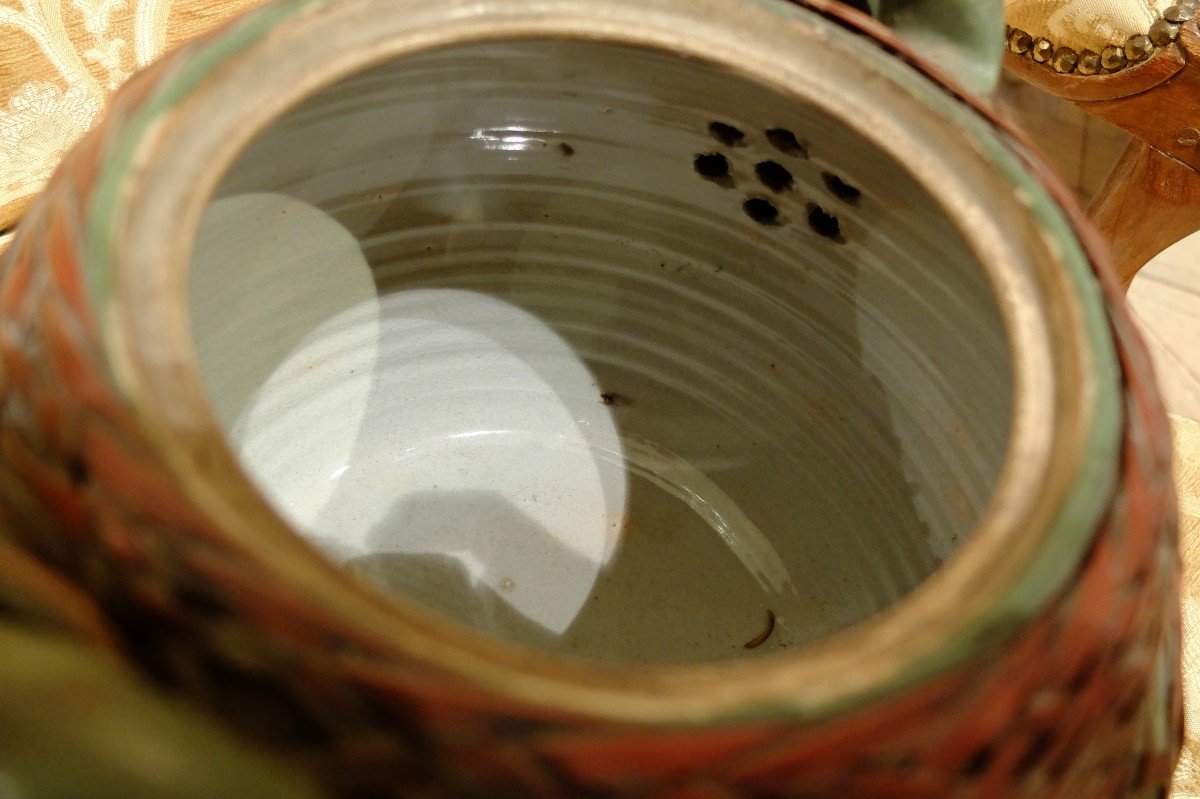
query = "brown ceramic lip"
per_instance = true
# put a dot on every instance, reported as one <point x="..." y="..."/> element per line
<point x="147" y="337"/>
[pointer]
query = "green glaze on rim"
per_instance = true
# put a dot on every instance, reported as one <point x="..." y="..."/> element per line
<point x="203" y="59"/>
<point x="1071" y="533"/>
<point x="1045" y="572"/>
<point x="965" y="38"/>
<point x="1073" y="529"/>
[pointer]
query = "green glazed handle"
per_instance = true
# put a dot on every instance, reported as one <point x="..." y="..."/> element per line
<point x="965" y="37"/>
<point x="76" y="723"/>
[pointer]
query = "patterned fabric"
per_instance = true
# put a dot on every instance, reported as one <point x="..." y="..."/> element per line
<point x="59" y="62"/>
<point x="1187" y="474"/>
<point x="1083" y="24"/>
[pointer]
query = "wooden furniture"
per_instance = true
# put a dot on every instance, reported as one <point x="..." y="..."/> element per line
<point x="1130" y="63"/>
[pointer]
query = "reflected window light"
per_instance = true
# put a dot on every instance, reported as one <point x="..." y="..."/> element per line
<point x="477" y="570"/>
<point x="477" y="433"/>
<point x="513" y="139"/>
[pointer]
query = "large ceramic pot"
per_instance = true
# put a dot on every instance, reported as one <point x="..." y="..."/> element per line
<point x="637" y="397"/>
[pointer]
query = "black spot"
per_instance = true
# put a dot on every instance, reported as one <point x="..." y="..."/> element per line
<point x="785" y="141"/>
<point x="1140" y="771"/>
<point x="979" y="761"/>
<point x="823" y="223"/>
<point x="1082" y="678"/>
<point x="841" y="189"/>
<point x="727" y="134"/>
<point x="566" y="149"/>
<point x="713" y="166"/>
<point x="761" y="210"/>
<point x="77" y="470"/>
<point x="613" y="398"/>
<point x="773" y="175"/>
<point x="1128" y="710"/>
<point x="1036" y="753"/>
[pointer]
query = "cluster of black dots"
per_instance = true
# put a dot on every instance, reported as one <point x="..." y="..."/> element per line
<point x="775" y="177"/>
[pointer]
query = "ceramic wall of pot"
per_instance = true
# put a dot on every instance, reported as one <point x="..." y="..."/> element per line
<point x="597" y="398"/>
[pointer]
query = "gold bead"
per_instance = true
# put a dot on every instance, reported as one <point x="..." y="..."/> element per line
<point x="1064" y="60"/>
<point x="1042" y="51"/>
<point x="1019" y="41"/>
<point x="1163" y="33"/>
<point x="1138" y="47"/>
<point x="1178" y="13"/>
<point x="1112" y="58"/>
<point x="1089" y="63"/>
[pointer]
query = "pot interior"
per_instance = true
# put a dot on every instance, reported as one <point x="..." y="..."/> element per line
<point x="602" y="350"/>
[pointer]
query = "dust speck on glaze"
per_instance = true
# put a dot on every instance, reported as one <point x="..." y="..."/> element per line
<point x="613" y="398"/>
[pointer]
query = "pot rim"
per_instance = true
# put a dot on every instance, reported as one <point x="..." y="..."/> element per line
<point x="215" y="95"/>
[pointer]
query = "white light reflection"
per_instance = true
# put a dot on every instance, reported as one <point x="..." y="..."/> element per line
<point x="431" y="423"/>
<point x="477" y="433"/>
<point x="513" y="139"/>
<point x="449" y="438"/>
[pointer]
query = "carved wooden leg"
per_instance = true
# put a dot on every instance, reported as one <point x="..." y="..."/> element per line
<point x="1148" y="202"/>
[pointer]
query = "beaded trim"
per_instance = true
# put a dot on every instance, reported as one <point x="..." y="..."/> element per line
<point x="1112" y="58"/>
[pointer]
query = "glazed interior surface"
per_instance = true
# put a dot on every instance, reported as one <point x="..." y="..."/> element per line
<point x="601" y="350"/>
